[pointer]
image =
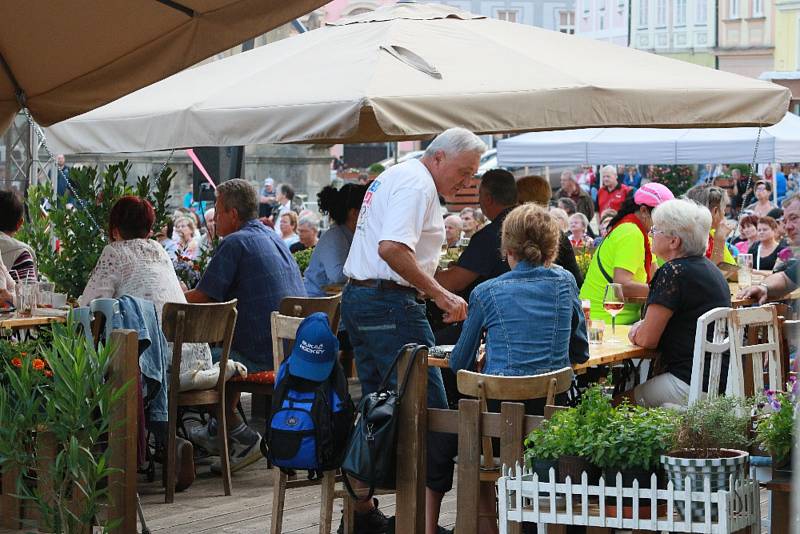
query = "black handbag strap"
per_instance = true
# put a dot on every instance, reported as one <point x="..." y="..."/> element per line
<point x="414" y="353"/>
<point x="391" y="369"/>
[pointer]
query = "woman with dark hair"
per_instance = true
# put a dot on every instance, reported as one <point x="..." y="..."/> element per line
<point x="747" y="233"/>
<point x="762" y="205"/>
<point x="765" y="250"/>
<point x="18" y="257"/>
<point x="327" y="260"/>
<point x="624" y="257"/>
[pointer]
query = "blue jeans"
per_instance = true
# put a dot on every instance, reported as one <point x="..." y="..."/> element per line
<point x="380" y="322"/>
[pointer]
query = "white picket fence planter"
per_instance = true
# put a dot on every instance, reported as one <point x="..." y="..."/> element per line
<point x="522" y="497"/>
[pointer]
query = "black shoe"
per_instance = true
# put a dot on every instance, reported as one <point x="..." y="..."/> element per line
<point x="372" y="522"/>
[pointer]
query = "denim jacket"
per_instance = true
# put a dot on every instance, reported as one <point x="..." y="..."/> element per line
<point x="140" y="315"/>
<point x="533" y="321"/>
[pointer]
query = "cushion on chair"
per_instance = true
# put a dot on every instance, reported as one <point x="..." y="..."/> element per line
<point x="261" y="377"/>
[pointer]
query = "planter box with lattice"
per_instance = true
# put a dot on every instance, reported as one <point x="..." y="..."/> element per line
<point x="524" y="498"/>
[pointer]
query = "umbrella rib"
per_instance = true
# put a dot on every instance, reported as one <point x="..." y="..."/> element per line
<point x="18" y="91"/>
<point x="178" y="7"/>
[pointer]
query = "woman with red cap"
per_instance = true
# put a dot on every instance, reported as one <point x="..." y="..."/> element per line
<point x="624" y="257"/>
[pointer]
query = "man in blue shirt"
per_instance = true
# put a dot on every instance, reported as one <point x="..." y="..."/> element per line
<point x="254" y="266"/>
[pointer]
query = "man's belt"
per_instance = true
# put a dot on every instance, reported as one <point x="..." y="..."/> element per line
<point x="382" y="284"/>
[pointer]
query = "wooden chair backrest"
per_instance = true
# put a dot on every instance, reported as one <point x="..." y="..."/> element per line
<point x="511" y="388"/>
<point x="305" y="306"/>
<point x="754" y="343"/>
<point x="284" y="328"/>
<point x="714" y="348"/>
<point x="199" y="323"/>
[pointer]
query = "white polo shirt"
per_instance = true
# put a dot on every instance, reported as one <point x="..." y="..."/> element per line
<point x="401" y="205"/>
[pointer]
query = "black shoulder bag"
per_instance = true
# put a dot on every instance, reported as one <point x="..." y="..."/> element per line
<point x="372" y="450"/>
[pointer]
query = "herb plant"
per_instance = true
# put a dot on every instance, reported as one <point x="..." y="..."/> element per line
<point x="712" y="424"/>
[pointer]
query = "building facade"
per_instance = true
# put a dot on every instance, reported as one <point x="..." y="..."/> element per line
<point x="787" y="35"/>
<point x="681" y="29"/>
<point x="746" y="36"/>
<point x="604" y="20"/>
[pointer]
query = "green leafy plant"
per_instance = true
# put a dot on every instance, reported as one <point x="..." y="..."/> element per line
<point x="73" y="410"/>
<point x="712" y="424"/>
<point x="79" y="229"/>
<point x="303" y="258"/>
<point x="634" y="438"/>
<point x="571" y="432"/>
<point x="376" y="168"/>
<point x="775" y="427"/>
<point x="678" y="178"/>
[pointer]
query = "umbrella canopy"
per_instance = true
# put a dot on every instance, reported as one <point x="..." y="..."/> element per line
<point x="778" y="144"/>
<point x="70" y="57"/>
<point x="410" y="71"/>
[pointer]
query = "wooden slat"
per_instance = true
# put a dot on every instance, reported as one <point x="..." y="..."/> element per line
<point x="512" y="388"/>
<point x="411" y="446"/>
<point x="123" y="438"/>
<point x="469" y="459"/>
<point x="446" y="421"/>
<point x="511" y="435"/>
<point x="16" y="323"/>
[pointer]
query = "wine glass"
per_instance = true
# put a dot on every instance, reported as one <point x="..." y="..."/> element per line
<point x="613" y="302"/>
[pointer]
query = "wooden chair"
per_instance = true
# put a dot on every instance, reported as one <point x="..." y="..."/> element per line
<point x="510" y="388"/>
<point x="291" y="307"/>
<point x="197" y="323"/>
<point x="754" y="344"/>
<point x="705" y="348"/>
<point x="284" y="331"/>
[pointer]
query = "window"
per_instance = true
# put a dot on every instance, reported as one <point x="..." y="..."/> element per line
<point x="644" y="12"/>
<point x="602" y="14"/>
<point x="702" y="12"/>
<point x="509" y="15"/>
<point x="680" y="13"/>
<point x="758" y="8"/>
<point x="661" y="12"/>
<point x="734" y="9"/>
<point x="586" y="9"/>
<point x="566" y="22"/>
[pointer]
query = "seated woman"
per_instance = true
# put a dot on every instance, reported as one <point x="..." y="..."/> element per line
<point x="765" y="251"/>
<point x="188" y="245"/>
<point x="748" y="233"/>
<point x="327" y="260"/>
<point x="763" y="192"/>
<point x="523" y="337"/>
<point x="533" y="323"/>
<point x="132" y="264"/>
<point x="624" y="256"/>
<point x="685" y="287"/>
<point x="288" y="228"/>
<point x="578" y="225"/>
<point x="716" y="200"/>
<point x="18" y="257"/>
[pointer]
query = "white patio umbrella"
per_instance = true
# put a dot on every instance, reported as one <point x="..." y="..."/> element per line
<point x="777" y="144"/>
<point x="410" y="71"/>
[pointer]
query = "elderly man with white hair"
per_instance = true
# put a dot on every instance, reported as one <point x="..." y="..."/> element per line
<point x="612" y="193"/>
<point x="685" y="287"/>
<point x="453" y="225"/>
<point x="571" y="190"/>
<point x="393" y="258"/>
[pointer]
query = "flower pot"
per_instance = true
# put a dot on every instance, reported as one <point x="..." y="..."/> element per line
<point x="782" y="468"/>
<point x="574" y="466"/>
<point x="683" y="463"/>
<point x="542" y="468"/>
<point x="628" y="476"/>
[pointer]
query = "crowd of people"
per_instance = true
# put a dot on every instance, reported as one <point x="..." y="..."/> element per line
<point x="515" y="288"/>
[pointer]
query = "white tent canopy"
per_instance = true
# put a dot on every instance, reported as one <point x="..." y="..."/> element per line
<point x="410" y="71"/>
<point x="778" y="144"/>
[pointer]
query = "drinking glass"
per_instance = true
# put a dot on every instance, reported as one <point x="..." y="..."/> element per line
<point x="613" y="302"/>
<point x="45" y="299"/>
<point x="596" y="330"/>
<point x="745" y="274"/>
<point x="26" y="297"/>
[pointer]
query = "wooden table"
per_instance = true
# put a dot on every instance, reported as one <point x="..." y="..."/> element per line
<point x="606" y="353"/>
<point x="20" y="323"/>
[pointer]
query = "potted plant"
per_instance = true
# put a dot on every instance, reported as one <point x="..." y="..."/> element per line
<point x="775" y="428"/>
<point x="711" y="440"/>
<point x="546" y="444"/>
<point x="55" y="399"/>
<point x="631" y="444"/>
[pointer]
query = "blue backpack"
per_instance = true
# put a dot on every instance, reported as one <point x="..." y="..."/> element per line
<point x="310" y="421"/>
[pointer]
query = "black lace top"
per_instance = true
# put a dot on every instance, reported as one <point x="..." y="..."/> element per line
<point x="689" y="287"/>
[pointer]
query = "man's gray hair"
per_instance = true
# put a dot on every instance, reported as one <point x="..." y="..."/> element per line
<point x="455" y="141"/>
<point x="569" y="175"/>
<point x="687" y="220"/>
<point x="240" y="195"/>
<point x="309" y="220"/>
<point x="791" y="199"/>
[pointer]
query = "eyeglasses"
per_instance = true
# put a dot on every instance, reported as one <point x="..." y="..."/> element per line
<point x="654" y="231"/>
